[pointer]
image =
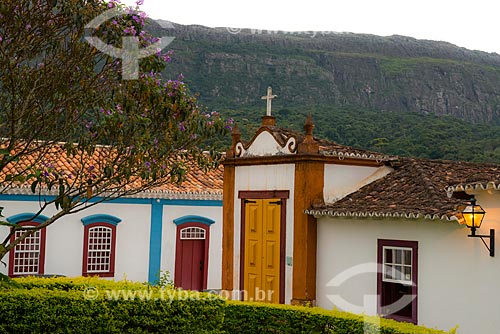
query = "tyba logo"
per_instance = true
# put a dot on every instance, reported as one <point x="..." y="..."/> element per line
<point x="130" y="53"/>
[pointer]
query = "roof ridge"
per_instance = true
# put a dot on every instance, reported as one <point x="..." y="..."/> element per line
<point x="421" y="171"/>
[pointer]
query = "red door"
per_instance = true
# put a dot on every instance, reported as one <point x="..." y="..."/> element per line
<point x="191" y="258"/>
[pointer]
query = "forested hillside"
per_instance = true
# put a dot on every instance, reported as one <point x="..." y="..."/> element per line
<point x="395" y="94"/>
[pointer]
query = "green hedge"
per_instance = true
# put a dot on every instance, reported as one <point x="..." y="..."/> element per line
<point x="92" y="305"/>
<point x="77" y="283"/>
<point x="249" y="318"/>
<point x="74" y="310"/>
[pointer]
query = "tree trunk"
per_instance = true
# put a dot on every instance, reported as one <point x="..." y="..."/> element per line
<point x="3" y="252"/>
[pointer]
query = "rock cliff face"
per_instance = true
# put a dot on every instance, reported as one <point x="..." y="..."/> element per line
<point x="393" y="73"/>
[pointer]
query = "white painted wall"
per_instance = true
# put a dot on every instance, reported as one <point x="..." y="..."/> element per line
<point x="169" y="231"/>
<point x="266" y="177"/>
<point x="341" y="180"/>
<point x="265" y="144"/>
<point x="458" y="282"/>
<point x="64" y="243"/>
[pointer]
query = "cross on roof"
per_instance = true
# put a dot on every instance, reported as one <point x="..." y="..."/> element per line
<point x="269" y="97"/>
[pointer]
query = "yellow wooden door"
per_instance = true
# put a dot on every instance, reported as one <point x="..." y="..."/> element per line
<point x="262" y="250"/>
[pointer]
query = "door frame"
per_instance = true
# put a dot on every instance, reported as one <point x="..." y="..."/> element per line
<point x="191" y="221"/>
<point x="283" y="195"/>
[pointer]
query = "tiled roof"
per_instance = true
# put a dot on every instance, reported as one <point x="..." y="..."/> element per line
<point x="198" y="184"/>
<point x="336" y="150"/>
<point x="415" y="189"/>
<point x="482" y="182"/>
<point x="330" y="148"/>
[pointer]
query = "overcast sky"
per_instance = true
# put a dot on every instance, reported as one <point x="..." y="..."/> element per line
<point x="471" y="24"/>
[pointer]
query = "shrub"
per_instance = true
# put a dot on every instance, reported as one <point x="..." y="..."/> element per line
<point x="263" y="318"/>
<point x="93" y="305"/>
<point x="63" y="305"/>
<point x="76" y="283"/>
<point x="7" y="283"/>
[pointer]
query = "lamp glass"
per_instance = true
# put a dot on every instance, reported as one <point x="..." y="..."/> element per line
<point x="473" y="216"/>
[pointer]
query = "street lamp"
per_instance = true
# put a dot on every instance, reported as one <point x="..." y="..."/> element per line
<point x="473" y="215"/>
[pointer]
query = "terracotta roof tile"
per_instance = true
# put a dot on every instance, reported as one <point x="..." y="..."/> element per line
<point x="329" y="148"/>
<point x="197" y="185"/>
<point x="416" y="188"/>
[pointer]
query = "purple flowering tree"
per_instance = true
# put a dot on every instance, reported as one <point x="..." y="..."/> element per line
<point x="71" y="128"/>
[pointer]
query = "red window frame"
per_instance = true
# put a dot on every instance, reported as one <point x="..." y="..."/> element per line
<point x="41" y="252"/>
<point x="382" y="288"/>
<point x="112" y="251"/>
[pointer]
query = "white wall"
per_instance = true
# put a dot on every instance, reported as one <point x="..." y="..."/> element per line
<point x="64" y="243"/>
<point x="341" y="180"/>
<point x="458" y="282"/>
<point x="169" y="231"/>
<point x="266" y="177"/>
<point x="265" y="144"/>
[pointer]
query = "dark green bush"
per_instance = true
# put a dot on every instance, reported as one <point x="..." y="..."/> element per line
<point x="250" y="318"/>
<point x="71" y="305"/>
<point x="40" y="310"/>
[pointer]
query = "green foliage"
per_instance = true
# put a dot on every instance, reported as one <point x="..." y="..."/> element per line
<point x="393" y="133"/>
<point x="410" y="134"/>
<point x="71" y="305"/>
<point x="45" y="311"/>
<point x="75" y="283"/>
<point x="7" y="283"/>
<point x="357" y="87"/>
<point x="164" y="280"/>
<point x="61" y="307"/>
<point x="395" y="66"/>
<point x="384" y="73"/>
<point x="60" y="98"/>
<point x="250" y="318"/>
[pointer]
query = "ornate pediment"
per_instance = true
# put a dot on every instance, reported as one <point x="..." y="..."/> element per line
<point x="269" y="139"/>
<point x="266" y="143"/>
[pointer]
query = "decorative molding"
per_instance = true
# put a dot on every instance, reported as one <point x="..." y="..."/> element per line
<point x="265" y="143"/>
<point x="156" y="194"/>
<point x="239" y="149"/>
<point x="211" y="196"/>
<point x="263" y="194"/>
<point x="193" y="219"/>
<point x="336" y="214"/>
<point x="100" y="218"/>
<point x="309" y="145"/>
<point x="355" y="155"/>
<point x="290" y="159"/>
<point x="491" y="185"/>
<point x="27" y="217"/>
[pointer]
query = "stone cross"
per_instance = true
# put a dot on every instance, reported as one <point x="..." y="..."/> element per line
<point x="269" y="97"/>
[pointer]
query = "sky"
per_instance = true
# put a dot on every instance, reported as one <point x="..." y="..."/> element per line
<point x="471" y="24"/>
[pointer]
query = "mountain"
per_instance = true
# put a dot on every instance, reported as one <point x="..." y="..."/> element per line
<point x="396" y="94"/>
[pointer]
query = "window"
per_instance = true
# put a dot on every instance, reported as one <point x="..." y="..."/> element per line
<point x="397" y="265"/>
<point x="190" y="233"/>
<point x="99" y="245"/>
<point x="397" y="279"/>
<point x="28" y="256"/>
